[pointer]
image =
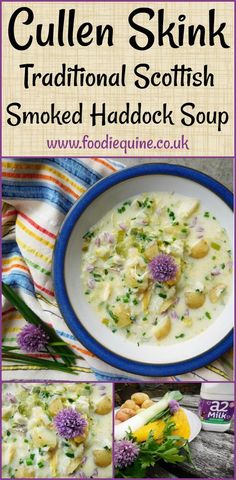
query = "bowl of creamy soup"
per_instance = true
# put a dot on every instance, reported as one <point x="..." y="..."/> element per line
<point x="143" y="269"/>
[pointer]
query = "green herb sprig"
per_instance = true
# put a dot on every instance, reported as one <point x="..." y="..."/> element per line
<point x="58" y="347"/>
<point x="172" y="449"/>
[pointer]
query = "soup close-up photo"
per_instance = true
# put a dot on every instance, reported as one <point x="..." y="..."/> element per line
<point x="57" y="430"/>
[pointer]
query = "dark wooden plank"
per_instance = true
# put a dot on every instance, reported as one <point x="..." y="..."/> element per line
<point x="161" y="472"/>
<point x="212" y="456"/>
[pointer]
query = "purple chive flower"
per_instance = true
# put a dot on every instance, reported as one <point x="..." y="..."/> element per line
<point x="32" y="339"/>
<point x="125" y="452"/>
<point x="173" y="406"/>
<point x="70" y="423"/>
<point x="163" y="268"/>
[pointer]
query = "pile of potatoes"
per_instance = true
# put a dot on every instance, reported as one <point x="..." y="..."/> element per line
<point x="139" y="401"/>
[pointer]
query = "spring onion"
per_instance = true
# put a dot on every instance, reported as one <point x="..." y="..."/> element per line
<point x="216" y="246"/>
<point x="139" y="420"/>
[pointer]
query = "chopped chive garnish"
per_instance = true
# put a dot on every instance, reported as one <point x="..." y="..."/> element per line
<point x="112" y="315"/>
<point x="162" y="295"/>
<point x="181" y="335"/>
<point x="88" y="235"/>
<point x="70" y="454"/>
<point x="216" y="246"/>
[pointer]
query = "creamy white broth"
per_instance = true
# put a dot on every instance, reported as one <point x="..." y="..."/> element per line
<point x="116" y="276"/>
<point x="27" y="407"/>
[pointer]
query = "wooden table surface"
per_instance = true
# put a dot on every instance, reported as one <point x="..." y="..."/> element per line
<point x="212" y="453"/>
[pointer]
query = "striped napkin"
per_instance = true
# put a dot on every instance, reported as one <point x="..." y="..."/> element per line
<point x="37" y="194"/>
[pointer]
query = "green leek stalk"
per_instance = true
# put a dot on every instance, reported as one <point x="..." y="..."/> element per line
<point x="64" y="351"/>
<point x="139" y="420"/>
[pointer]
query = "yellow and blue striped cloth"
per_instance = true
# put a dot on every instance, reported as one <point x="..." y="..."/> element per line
<point x="37" y="194"/>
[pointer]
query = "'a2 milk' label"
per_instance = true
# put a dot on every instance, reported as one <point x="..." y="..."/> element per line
<point x="216" y="411"/>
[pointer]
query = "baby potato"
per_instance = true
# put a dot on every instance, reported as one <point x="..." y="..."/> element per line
<point x="216" y="292"/>
<point x="163" y="328"/>
<point x="124" y="414"/>
<point x="194" y="299"/>
<point x="200" y="249"/>
<point x="104" y="406"/>
<point x="129" y="404"/>
<point x="102" y="458"/>
<point x="147" y="403"/>
<point x="139" y="397"/>
<point x="55" y="406"/>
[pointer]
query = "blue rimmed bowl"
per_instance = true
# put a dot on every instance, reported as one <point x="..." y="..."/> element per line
<point x="83" y="321"/>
